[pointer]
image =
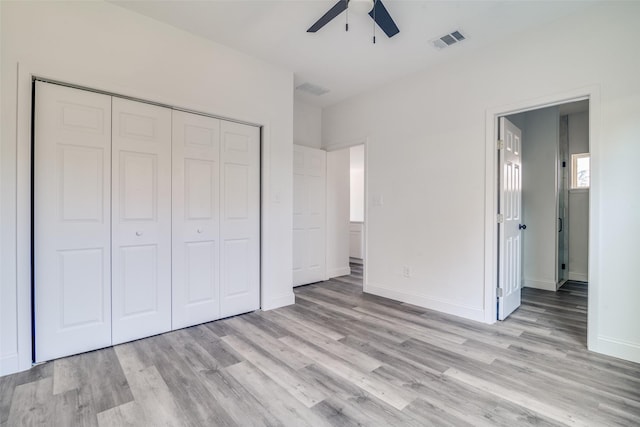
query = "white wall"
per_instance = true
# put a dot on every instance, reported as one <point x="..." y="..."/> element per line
<point x="578" y="203"/>
<point x="307" y="124"/>
<point x="356" y="161"/>
<point x="426" y="164"/>
<point x="338" y="213"/>
<point x="103" y="46"/>
<point x="540" y="134"/>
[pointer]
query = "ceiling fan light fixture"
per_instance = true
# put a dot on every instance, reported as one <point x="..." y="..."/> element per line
<point x="360" y="6"/>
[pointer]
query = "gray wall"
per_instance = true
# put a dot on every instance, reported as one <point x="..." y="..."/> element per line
<point x="578" y="203"/>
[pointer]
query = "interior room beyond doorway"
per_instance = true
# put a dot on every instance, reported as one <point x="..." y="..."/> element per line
<point x="555" y="206"/>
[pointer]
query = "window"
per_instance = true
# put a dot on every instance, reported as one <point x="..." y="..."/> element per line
<point x="580" y="170"/>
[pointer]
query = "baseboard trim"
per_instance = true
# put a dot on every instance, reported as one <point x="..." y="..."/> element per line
<point x="578" y="277"/>
<point x="437" y="304"/>
<point x="621" y="349"/>
<point x="356" y="260"/>
<point x="540" y="284"/>
<point x="281" y="301"/>
<point x="9" y="364"/>
<point x="336" y="272"/>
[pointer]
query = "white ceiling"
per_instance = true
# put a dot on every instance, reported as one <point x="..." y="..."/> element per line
<point x="348" y="63"/>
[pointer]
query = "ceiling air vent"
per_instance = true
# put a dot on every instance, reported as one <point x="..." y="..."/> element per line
<point x="448" y="39"/>
<point x="312" y="89"/>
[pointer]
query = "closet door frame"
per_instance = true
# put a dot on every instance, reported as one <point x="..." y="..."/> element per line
<point x="25" y="325"/>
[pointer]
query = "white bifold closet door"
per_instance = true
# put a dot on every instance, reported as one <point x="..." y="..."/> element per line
<point x="141" y="220"/>
<point x="309" y="215"/>
<point x="72" y="239"/>
<point x="118" y="257"/>
<point x="196" y="219"/>
<point x="239" y="218"/>
<point x="216" y="219"/>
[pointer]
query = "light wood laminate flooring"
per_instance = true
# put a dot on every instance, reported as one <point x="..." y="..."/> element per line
<point x="339" y="357"/>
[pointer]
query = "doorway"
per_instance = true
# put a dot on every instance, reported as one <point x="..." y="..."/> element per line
<point x="356" y="206"/>
<point x="553" y="230"/>
<point x="346" y="212"/>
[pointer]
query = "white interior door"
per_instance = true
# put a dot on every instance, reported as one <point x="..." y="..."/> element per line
<point x="239" y="218"/>
<point x="309" y="215"/>
<point x="141" y="220"/>
<point x="196" y="219"/>
<point x="72" y="169"/>
<point x="510" y="251"/>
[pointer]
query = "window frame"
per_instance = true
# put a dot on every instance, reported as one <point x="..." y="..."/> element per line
<point x="574" y="171"/>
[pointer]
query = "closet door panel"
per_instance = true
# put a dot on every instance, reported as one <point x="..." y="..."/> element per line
<point x="72" y="167"/>
<point x="196" y="219"/>
<point x="309" y="215"/>
<point x="141" y="220"/>
<point x="240" y="218"/>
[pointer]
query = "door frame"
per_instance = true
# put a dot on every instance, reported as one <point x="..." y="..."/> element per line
<point x="345" y="145"/>
<point x="592" y="93"/>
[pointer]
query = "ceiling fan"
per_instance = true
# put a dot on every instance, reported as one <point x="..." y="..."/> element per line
<point x="376" y="11"/>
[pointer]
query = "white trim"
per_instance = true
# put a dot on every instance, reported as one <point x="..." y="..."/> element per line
<point x="337" y="272"/>
<point x="280" y="301"/>
<point x="365" y="226"/>
<point x="23" y="215"/>
<point x="341" y="145"/>
<point x="592" y="93"/>
<point x="540" y="284"/>
<point x="9" y="364"/>
<point x="431" y="303"/>
<point x="626" y="350"/>
<point x="365" y="229"/>
<point x="578" y="277"/>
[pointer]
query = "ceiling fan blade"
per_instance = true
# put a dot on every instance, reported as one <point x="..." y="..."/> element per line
<point x="336" y="10"/>
<point x="380" y="14"/>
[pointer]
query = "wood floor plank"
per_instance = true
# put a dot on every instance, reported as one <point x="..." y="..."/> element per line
<point x="386" y="392"/>
<point x="330" y="308"/>
<point x="520" y="399"/>
<point x="336" y="348"/>
<point x="126" y="415"/>
<point x="277" y="400"/>
<point x="189" y="393"/>
<point x="152" y="395"/>
<point x="31" y="405"/>
<point x="282" y="375"/>
<point x="306" y="322"/>
<point x="213" y="345"/>
<point x="286" y="354"/>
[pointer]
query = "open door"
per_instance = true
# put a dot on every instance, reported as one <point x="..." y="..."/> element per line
<point x="510" y="227"/>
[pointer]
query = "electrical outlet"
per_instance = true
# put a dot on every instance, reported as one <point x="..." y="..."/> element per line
<point x="406" y="271"/>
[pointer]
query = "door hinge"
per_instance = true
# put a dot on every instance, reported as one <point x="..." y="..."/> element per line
<point x="500" y="218"/>
<point x="500" y="292"/>
<point x="500" y="144"/>
<point x="564" y="164"/>
<point x="564" y="266"/>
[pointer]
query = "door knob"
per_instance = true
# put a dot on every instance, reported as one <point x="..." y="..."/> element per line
<point x="199" y="230"/>
<point x="138" y="233"/>
<point x="522" y="227"/>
